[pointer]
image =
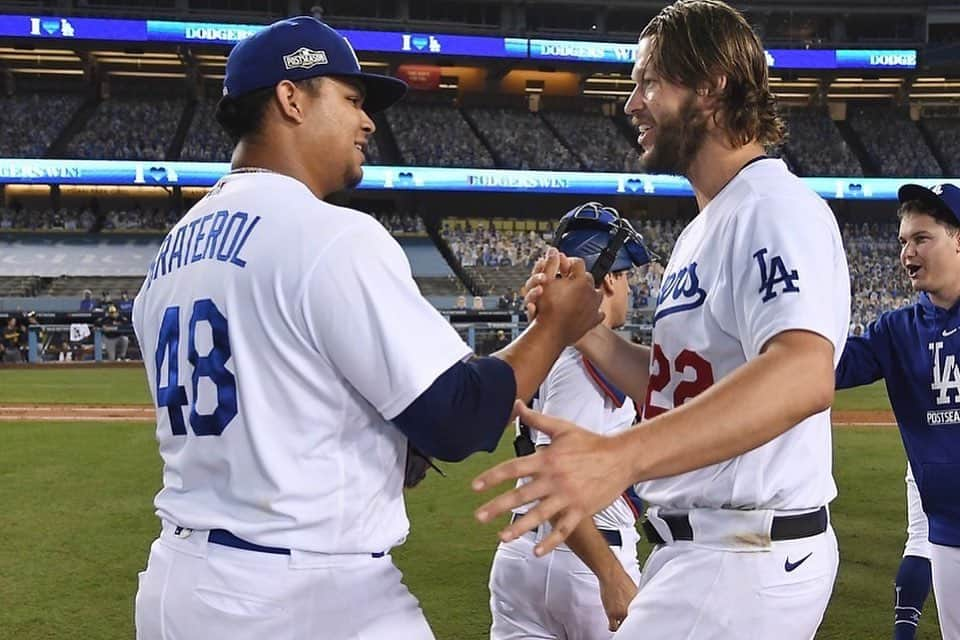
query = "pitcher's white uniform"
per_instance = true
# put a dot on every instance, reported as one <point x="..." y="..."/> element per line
<point x="763" y="257"/>
<point x="281" y="335"/>
<point x="558" y="596"/>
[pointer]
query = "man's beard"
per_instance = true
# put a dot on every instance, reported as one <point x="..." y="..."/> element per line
<point x="679" y="139"/>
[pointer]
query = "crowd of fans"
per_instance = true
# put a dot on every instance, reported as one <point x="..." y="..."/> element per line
<point x="817" y="147"/>
<point x="136" y="218"/>
<point x="48" y="219"/>
<point x="397" y="223"/>
<point x="31" y="122"/>
<point x="141" y="219"/>
<point x="599" y="145"/>
<point x="129" y="128"/>
<point x="522" y="140"/>
<point x="206" y="141"/>
<point x="946" y="135"/>
<point x="894" y="142"/>
<point x="877" y="281"/>
<point x="487" y="246"/>
<point x="436" y="136"/>
<point x="144" y="128"/>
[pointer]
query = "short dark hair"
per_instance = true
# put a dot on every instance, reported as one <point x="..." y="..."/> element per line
<point x="242" y="117"/>
<point x="927" y="208"/>
<point x="694" y="41"/>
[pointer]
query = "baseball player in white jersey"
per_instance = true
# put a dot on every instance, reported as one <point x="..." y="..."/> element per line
<point x="734" y="451"/>
<point x="291" y="358"/>
<point x="582" y="591"/>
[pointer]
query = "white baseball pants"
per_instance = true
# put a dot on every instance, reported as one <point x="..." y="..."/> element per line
<point x="555" y="597"/>
<point x="195" y="590"/>
<point x="712" y="591"/>
<point x="945" y="564"/>
<point x="917" y="527"/>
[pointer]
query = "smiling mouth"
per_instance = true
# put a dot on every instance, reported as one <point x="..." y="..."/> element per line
<point x="643" y="130"/>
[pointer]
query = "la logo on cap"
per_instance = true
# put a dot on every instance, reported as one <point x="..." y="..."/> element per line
<point x="304" y="58"/>
<point x="937" y="189"/>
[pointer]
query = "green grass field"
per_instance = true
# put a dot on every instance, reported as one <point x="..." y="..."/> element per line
<point x="93" y="385"/>
<point x="76" y="505"/>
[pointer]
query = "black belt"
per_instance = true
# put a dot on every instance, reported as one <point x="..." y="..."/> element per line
<point x="612" y="536"/>
<point x="802" y="525"/>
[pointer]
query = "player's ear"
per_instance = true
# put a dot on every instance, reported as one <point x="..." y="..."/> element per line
<point x="710" y="93"/>
<point x="288" y="97"/>
<point x="608" y="284"/>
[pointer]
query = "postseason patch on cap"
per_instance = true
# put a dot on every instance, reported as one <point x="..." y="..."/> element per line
<point x="304" y="58"/>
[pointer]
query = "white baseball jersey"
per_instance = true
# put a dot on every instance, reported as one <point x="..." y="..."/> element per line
<point x="280" y="335"/>
<point x="763" y="257"/>
<point x="557" y="596"/>
<point x="573" y="391"/>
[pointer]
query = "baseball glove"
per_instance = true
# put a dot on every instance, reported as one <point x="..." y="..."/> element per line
<point x="417" y="465"/>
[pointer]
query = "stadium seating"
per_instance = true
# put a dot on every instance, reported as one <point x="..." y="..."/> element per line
<point x="495" y="252"/>
<point x="75" y="285"/>
<point x="436" y="135"/>
<point x="18" y="286"/>
<point x="206" y="140"/>
<point x="893" y="141"/>
<point x="46" y="113"/>
<point x="134" y="127"/>
<point x="817" y="146"/>
<point x="595" y="138"/>
<point x="946" y="135"/>
<point x="439" y="286"/>
<point x="522" y="140"/>
<point x="877" y="281"/>
<point x="129" y="128"/>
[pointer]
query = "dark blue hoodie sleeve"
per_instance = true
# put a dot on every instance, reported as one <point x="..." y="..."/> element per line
<point x="863" y="357"/>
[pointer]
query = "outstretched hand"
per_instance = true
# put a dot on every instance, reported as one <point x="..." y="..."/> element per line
<point x="579" y="474"/>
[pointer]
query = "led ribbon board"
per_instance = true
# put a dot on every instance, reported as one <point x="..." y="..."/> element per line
<point x="205" y="174"/>
<point x="219" y="33"/>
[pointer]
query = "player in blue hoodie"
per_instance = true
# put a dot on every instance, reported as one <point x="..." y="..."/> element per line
<point x="915" y="350"/>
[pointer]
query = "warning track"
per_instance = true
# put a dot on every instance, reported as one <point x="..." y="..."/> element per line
<point x="78" y="412"/>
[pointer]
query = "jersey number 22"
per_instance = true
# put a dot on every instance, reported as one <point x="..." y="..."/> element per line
<point x="212" y="366"/>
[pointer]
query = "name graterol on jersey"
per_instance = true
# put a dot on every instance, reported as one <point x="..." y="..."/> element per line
<point x="216" y="236"/>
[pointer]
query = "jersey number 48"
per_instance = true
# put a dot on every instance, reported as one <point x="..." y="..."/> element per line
<point x="212" y="366"/>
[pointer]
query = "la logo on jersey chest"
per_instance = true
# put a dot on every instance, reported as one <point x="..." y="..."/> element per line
<point x="946" y="384"/>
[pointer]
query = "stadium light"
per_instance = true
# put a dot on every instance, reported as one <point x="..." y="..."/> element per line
<point x="916" y="96"/>
<point x="49" y="72"/>
<point x="856" y="96"/>
<point x="147" y="74"/>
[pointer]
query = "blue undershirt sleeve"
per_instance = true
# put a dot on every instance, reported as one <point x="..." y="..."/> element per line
<point x="465" y="410"/>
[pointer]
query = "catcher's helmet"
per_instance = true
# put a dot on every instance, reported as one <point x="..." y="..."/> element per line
<point x="605" y="241"/>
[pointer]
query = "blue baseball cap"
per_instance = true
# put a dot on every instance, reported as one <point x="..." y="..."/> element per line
<point x="942" y="196"/>
<point x="300" y="48"/>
